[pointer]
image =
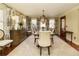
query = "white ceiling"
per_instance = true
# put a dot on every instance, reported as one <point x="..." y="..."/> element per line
<point x="35" y="9"/>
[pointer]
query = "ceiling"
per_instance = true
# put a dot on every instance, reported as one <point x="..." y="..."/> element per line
<point x="35" y="9"/>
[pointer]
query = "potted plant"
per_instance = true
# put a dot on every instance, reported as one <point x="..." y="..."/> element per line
<point x="21" y="25"/>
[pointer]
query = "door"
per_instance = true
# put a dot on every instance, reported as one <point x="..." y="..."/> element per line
<point x="63" y="27"/>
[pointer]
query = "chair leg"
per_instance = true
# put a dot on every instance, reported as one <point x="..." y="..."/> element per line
<point x="40" y="51"/>
<point x="48" y="50"/>
<point x="38" y="46"/>
<point x="35" y="41"/>
<point x="52" y="41"/>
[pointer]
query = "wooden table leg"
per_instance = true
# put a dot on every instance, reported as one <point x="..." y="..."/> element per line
<point x="35" y="41"/>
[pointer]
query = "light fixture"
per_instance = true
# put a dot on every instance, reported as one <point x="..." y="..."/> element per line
<point x="43" y="22"/>
<point x="43" y="17"/>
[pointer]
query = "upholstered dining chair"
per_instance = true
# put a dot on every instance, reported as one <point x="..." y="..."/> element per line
<point x="52" y="34"/>
<point x="44" y="41"/>
<point x="1" y="34"/>
<point x="3" y="42"/>
<point x="36" y="36"/>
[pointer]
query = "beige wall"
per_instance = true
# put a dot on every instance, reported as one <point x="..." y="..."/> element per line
<point x="2" y="6"/>
<point x="72" y="22"/>
<point x="57" y="26"/>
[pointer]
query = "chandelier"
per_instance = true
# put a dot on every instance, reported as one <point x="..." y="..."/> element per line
<point x="43" y="17"/>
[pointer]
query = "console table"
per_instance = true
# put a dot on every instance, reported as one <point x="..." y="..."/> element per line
<point x="71" y="33"/>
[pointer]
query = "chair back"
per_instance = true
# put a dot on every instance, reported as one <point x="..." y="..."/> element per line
<point x="44" y="38"/>
<point x="1" y="34"/>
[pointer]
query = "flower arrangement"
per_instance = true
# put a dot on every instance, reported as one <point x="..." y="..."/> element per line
<point x="21" y="25"/>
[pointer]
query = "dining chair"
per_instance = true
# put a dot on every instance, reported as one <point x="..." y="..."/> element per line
<point x="3" y="42"/>
<point x="52" y="34"/>
<point x="36" y="36"/>
<point x="1" y="34"/>
<point x="44" y="41"/>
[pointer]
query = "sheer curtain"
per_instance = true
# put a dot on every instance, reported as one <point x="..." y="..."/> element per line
<point x="1" y="19"/>
<point x="33" y="24"/>
<point x="15" y="20"/>
<point x="42" y="26"/>
<point x="52" y="24"/>
<point x="24" y="23"/>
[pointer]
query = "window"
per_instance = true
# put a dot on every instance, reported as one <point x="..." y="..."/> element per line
<point x="24" y="22"/>
<point x="33" y="24"/>
<point x="34" y="21"/>
<point x="1" y="19"/>
<point x="42" y="25"/>
<point x="63" y="24"/>
<point x="52" y="23"/>
<point x="15" y="21"/>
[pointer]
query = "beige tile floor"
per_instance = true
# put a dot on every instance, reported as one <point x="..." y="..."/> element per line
<point x="59" y="48"/>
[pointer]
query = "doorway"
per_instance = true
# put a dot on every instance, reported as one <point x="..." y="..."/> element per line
<point x="63" y="27"/>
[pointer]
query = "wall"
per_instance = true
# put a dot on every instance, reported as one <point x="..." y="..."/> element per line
<point x="72" y="23"/>
<point x="57" y="25"/>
